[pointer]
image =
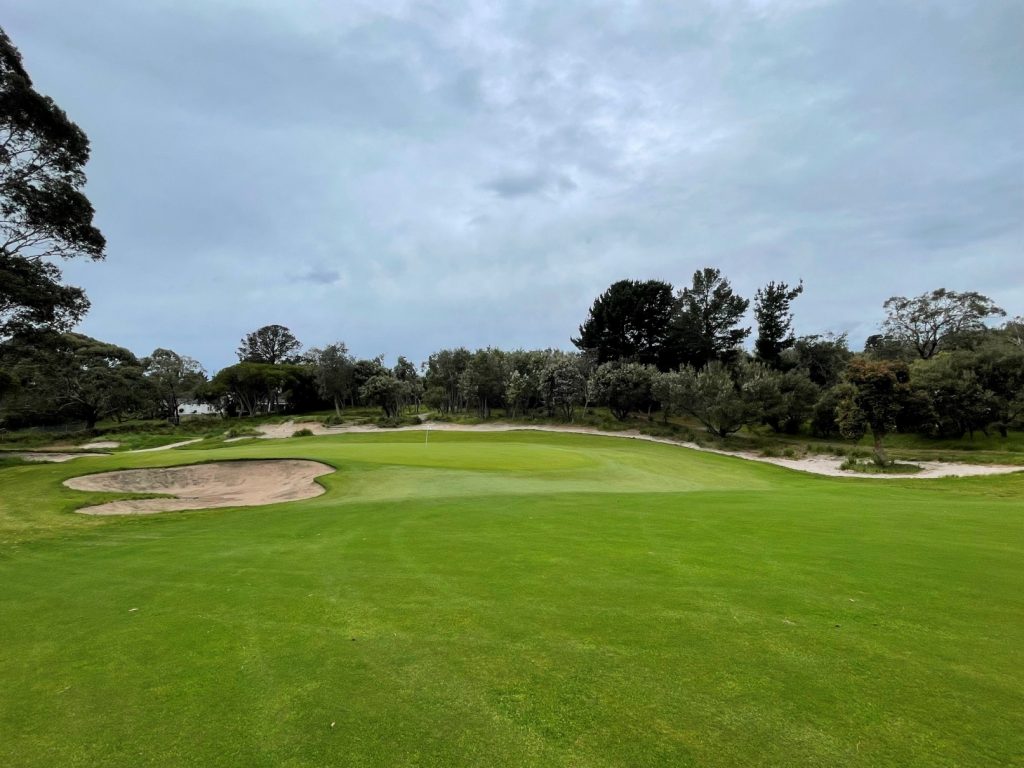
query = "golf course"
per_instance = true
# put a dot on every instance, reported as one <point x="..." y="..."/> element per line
<point x="513" y="599"/>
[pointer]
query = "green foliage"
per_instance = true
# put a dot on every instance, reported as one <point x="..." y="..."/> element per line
<point x="270" y="344"/>
<point x="443" y="377"/>
<point x="774" y="321"/>
<point x="630" y="322"/>
<point x="707" y="323"/>
<point x="334" y="373"/>
<point x="957" y="402"/>
<point x="824" y="412"/>
<point x="562" y="386"/>
<point x="714" y="398"/>
<point x="822" y="357"/>
<point x="484" y="380"/>
<point x="43" y="212"/>
<point x="304" y="432"/>
<point x="871" y="401"/>
<point x="253" y="388"/>
<point x="174" y="378"/>
<point x="925" y="322"/>
<point x="79" y="377"/>
<point x="623" y="387"/>
<point x="383" y="390"/>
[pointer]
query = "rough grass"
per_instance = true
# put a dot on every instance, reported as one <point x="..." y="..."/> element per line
<point x="516" y="599"/>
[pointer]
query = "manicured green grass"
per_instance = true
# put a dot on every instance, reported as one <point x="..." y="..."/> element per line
<point x="516" y="599"/>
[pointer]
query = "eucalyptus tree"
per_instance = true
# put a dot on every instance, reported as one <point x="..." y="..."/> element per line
<point x="443" y="376"/>
<point x="174" y="378"/>
<point x="924" y="322"/>
<point x="81" y="377"/>
<point x="334" y="373"/>
<point x="44" y="214"/>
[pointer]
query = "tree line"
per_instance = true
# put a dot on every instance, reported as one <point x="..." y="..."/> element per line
<point x="942" y="364"/>
<point x="937" y="367"/>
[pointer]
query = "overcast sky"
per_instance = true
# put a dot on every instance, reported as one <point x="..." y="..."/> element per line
<point x="408" y="176"/>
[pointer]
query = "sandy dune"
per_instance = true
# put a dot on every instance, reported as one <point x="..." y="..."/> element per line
<point x="203" y="486"/>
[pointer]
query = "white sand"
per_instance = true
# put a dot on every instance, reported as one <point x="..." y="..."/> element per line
<point x="204" y="486"/>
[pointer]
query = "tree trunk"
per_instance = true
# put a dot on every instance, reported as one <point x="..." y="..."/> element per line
<point x="337" y="408"/>
<point x="880" y="456"/>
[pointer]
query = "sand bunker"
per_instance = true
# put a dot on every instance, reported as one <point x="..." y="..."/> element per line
<point x="203" y="486"/>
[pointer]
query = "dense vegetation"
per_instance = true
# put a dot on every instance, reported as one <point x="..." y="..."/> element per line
<point x="938" y="370"/>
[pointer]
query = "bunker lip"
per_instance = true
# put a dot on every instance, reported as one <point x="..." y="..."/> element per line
<point x="205" y="486"/>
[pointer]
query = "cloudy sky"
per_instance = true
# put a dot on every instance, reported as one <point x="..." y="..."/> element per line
<point x="406" y="176"/>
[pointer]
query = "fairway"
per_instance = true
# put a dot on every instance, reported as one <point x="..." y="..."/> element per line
<point x="515" y="599"/>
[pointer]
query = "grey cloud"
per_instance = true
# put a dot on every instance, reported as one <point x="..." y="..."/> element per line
<point x="487" y="168"/>
<point x="318" y="276"/>
<point x="521" y="185"/>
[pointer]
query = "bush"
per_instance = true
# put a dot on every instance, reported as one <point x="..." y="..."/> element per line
<point x="302" y="433"/>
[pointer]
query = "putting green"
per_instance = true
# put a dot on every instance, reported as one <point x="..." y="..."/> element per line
<point x="515" y="599"/>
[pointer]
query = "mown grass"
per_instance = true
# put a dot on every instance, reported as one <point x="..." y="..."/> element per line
<point x="516" y="599"/>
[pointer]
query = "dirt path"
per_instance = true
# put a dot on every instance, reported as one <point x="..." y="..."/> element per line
<point x="51" y="456"/>
<point x="59" y="457"/>
<point x="818" y="465"/>
<point x="204" y="486"/>
<point x="167" y="447"/>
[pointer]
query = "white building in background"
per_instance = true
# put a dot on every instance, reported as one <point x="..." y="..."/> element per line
<point x="196" y="409"/>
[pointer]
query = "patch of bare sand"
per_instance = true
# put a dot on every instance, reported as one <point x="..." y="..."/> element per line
<point x="817" y="465"/>
<point x="204" y="486"/>
<point x="99" y="445"/>
<point x="54" y="456"/>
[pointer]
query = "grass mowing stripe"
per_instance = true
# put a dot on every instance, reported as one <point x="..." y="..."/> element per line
<point x="739" y="615"/>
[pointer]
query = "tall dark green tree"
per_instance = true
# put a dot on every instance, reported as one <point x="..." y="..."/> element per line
<point x="630" y="321"/>
<point x="706" y="326"/>
<point x="823" y="357"/>
<point x="44" y="214"/>
<point x="774" y="321"/>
